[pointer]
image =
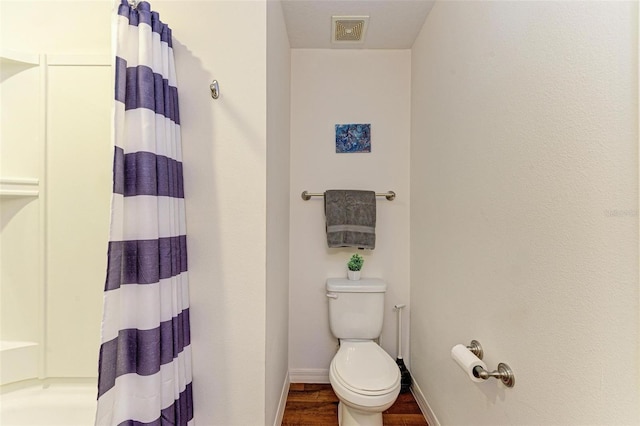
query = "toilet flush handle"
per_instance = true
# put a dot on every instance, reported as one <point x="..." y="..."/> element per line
<point x="332" y="295"/>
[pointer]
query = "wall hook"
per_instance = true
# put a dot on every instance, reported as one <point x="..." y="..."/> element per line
<point x="215" y="90"/>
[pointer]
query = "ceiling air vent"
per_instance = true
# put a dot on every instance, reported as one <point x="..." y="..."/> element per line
<point x="348" y="29"/>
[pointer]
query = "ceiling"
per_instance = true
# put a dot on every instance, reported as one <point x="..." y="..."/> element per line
<point x="393" y="24"/>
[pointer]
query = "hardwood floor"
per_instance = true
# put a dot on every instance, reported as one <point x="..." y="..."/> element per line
<point x="316" y="404"/>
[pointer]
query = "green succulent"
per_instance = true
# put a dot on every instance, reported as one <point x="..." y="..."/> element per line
<point x="355" y="263"/>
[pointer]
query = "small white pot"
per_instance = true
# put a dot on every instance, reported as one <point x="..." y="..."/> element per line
<point x="353" y="275"/>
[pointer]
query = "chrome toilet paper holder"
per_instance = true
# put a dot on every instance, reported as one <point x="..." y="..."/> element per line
<point x="503" y="373"/>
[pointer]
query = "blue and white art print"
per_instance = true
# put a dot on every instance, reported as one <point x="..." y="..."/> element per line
<point x="353" y="138"/>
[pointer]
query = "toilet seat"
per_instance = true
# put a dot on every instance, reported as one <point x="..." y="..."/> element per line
<point x="364" y="368"/>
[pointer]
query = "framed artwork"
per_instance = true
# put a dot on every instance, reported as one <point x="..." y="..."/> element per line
<point x="353" y="138"/>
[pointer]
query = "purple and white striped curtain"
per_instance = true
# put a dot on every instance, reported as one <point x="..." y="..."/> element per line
<point x="145" y="353"/>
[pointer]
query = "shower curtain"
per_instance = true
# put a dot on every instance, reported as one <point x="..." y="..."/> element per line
<point x="145" y="353"/>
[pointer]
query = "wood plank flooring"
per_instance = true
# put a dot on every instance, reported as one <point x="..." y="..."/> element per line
<point x="316" y="404"/>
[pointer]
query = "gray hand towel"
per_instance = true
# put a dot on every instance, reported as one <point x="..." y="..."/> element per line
<point x="351" y="218"/>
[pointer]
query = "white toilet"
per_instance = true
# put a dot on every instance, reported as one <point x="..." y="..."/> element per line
<point x="363" y="376"/>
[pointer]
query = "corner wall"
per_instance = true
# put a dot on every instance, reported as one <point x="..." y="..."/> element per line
<point x="330" y="87"/>
<point x="277" y="285"/>
<point x="225" y="157"/>
<point x="237" y="194"/>
<point x="524" y="210"/>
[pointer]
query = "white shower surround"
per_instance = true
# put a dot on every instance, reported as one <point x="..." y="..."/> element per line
<point x="41" y="301"/>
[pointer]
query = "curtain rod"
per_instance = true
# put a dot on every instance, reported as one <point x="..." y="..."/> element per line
<point x="389" y="195"/>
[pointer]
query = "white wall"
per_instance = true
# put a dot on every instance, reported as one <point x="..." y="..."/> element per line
<point x="524" y="179"/>
<point x="331" y="87"/>
<point x="58" y="26"/>
<point x="277" y="290"/>
<point x="236" y="185"/>
<point x="224" y="148"/>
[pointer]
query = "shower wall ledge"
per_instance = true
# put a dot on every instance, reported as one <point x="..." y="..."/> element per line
<point x="19" y="187"/>
<point x="23" y="359"/>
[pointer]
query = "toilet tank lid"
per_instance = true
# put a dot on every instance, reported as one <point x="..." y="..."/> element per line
<point x="363" y="285"/>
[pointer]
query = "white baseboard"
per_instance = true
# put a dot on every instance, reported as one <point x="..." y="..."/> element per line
<point x="424" y="405"/>
<point x="309" y="375"/>
<point x="283" y="401"/>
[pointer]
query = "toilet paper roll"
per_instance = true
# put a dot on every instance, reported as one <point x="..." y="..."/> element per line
<point x="467" y="361"/>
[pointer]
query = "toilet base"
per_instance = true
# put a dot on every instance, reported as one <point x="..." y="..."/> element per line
<point x="350" y="416"/>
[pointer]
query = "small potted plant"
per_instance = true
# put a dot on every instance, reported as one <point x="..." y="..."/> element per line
<point x="354" y="266"/>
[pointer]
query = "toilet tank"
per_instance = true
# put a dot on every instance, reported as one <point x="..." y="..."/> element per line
<point x="356" y="308"/>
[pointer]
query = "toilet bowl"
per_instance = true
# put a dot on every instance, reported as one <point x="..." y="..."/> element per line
<point x="366" y="380"/>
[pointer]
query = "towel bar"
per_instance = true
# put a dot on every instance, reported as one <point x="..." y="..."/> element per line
<point x="389" y="195"/>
